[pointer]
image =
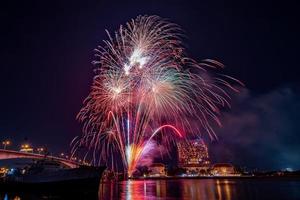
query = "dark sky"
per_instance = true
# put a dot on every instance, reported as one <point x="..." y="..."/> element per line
<point x="46" y="71"/>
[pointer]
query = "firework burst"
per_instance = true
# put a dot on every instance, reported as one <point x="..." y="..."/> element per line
<point x="145" y="85"/>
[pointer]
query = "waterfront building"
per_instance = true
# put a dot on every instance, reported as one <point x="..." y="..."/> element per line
<point x="193" y="156"/>
<point x="157" y="170"/>
<point x="223" y="169"/>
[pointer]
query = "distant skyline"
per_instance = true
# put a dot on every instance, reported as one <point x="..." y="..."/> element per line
<point x="46" y="71"/>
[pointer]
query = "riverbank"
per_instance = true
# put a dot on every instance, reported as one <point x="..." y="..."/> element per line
<point x="214" y="177"/>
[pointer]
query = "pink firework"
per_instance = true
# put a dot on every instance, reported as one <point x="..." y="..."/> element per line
<point x="145" y="85"/>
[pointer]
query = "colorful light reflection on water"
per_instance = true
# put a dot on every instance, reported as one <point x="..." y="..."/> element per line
<point x="212" y="189"/>
<point x="186" y="189"/>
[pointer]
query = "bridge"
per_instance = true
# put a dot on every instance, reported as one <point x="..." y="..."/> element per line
<point x="10" y="154"/>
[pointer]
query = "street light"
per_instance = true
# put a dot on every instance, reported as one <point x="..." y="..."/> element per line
<point x="6" y="143"/>
<point x="26" y="148"/>
<point x="40" y="150"/>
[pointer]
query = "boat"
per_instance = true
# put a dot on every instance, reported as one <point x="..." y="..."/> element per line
<point x="50" y="175"/>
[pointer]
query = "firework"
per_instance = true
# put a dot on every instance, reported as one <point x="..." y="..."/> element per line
<point x="145" y="85"/>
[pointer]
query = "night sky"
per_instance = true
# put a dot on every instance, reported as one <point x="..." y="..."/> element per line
<point x="46" y="71"/>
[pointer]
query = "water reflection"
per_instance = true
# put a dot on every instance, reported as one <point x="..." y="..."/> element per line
<point x="38" y="195"/>
<point x="8" y="197"/>
<point x="164" y="189"/>
<point x="212" y="189"/>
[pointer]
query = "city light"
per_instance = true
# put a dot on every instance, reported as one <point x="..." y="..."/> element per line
<point x="6" y="143"/>
<point x="3" y="171"/>
<point x="26" y="148"/>
<point x="40" y="150"/>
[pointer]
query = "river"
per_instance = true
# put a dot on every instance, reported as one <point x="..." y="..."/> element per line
<point x="211" y="189"/>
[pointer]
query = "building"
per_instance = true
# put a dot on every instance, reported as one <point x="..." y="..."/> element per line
<point x="223" y="169"/>
<point x="193" y="152"/>
<point x="157" y="170"/>
<point x="193" y="156"/>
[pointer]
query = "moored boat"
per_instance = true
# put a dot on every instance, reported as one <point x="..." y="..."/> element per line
<point x="49" y="175"/>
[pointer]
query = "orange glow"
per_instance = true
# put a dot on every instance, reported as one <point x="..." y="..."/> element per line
<point x="26" y="148"/>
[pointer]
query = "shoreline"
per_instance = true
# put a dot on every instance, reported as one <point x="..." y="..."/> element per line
<point x="214" y="177"/>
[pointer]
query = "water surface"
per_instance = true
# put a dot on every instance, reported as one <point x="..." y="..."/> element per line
<point x="212" y="189"/>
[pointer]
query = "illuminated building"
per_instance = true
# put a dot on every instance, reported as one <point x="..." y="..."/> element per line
<point x="193" y="152"/>
<point x="157" y="169"/>
<point x="223" y="169"/>
<point x="193" y="156"/>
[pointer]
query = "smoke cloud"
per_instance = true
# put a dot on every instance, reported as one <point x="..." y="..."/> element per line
<point x="260" y="131"/>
